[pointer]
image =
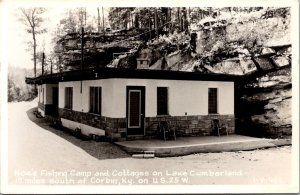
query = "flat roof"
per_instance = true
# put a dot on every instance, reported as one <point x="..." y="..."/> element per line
<point x="106" y="73"/>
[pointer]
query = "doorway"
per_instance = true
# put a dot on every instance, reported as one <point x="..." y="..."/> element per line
<point x="135" y="110"/>
<point x="55" y="101"/>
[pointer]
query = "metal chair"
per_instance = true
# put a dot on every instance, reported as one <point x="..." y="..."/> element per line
<point x="217" y="128"/>
<point x="166" y="131"/>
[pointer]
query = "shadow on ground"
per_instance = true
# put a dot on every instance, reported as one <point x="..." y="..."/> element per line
<point x="99" y="150"/>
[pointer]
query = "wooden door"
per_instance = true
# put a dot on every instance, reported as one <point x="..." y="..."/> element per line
<point x="135" y="110"/>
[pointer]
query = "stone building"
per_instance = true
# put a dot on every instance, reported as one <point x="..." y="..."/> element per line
<point x="125" y="104"/>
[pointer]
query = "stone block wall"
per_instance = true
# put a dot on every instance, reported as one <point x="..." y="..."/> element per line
<point x="198" y="125"/>
<point x="116" y="128"/>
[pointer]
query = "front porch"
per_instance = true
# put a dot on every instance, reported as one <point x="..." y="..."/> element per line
<point x="189" y="145"/>
<point x="179" y="147"/>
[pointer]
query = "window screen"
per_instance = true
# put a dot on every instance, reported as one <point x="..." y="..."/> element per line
<point x="162" y="101"/>
<point x="212" y="100"/>
<point x="95" y="100"/>
<point x="69" y="97"/>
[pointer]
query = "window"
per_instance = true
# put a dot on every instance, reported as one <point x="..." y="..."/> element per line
<point x="212" y="101"/>
<point x="95" y="100"/>
<point x="162" y="101"/>
<point x="69" y="97"/>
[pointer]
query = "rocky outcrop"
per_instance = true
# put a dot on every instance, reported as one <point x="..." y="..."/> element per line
<point x="99" y="49"/>
<point x="257" y="30"/>
<point x="236" y="66"/>
<point x="264" y="106"/>
<point x="266" y="59"/>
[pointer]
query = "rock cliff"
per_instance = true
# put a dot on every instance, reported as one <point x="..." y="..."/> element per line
<point x="264" y="105"/>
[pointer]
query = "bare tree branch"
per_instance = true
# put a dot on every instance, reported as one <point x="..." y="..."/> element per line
<point x="32" y="19"/>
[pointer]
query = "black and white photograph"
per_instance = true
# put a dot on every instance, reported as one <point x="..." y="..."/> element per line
<point x="151" y="97"/>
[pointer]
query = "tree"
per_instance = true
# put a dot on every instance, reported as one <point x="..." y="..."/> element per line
<point x="32" y="19"/>
<point x="67" y="24"/>
<point x="184" y="20"/>
<point x="52" y="60"/>
<point x="81" y="15"/>
<point x="18" y="90"/>
<point x="73" y="21"/>
<point x="98" y="21"/>
<point x="120" y="18"/>
<point x="152" y="21"/>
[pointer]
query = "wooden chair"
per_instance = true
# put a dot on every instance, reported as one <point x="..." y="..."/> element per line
<point x="166" y="131"/>
<point x="217" y="128"/>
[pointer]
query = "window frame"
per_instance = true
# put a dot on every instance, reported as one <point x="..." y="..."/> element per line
<point x="213" y="101"/>
<point x="158" y="102"/>
<point x="40" y="94"/>
<point x="69" y="100"/>
<point x="93" y="101"/>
